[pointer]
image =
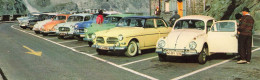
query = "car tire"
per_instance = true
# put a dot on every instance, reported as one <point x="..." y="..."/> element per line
<point x="60" y="37"/>
<point x="24" y="28"/>
<point x="101" y="52"/>
<point x="90" y="44"/>
<point x="162" y="58"/>
<point x="31" y="28"/>
<point x="202" y="58"/>
<point x="132" y="49"/>
<point x="37" y="32"/>
<point x="44" y="34"/>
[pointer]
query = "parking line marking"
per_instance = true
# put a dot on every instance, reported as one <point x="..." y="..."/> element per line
<point x="68" y="41"/>
<point x="206" y="68"/>
<point x="80" y="46"/>
<point x="52" y="38"/>
<point x="138" y="61"/>
<point x="90" y="55"/>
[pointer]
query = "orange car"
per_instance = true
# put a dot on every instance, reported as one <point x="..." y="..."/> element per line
<point x="48" y="28"/>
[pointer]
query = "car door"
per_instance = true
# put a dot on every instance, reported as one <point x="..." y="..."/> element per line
<point x="150" y="33"/>
<point x="222" y="37"/>
<point x="162" y="27"/>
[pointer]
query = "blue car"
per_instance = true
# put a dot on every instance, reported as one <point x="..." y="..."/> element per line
<point x="79" y="27"/>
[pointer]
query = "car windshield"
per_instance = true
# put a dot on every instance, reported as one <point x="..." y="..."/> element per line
<point x="131" y="22"/>
<point x="113" y="19"/>
<point x="190" y="24"/>
<point x="59" y="18"/>
<point x="49" y="16"/>
<point x="75" y="18"/>
<point x="35" y="16"/>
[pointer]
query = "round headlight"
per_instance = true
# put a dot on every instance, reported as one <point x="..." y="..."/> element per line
<point x="76" y="26"/>
<point x="120" y="37"/>
<point x="85" y="30"/>
<point x="193" y="45"/>
<point x="161" y="43"/>
<point x="93" y="36"/>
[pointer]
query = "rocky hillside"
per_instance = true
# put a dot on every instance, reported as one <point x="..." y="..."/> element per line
<point x="8" y="7"/>
<point x="226" y="9"/>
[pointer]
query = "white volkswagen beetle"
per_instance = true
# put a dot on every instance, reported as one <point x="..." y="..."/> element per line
<point x="198" y="35"/>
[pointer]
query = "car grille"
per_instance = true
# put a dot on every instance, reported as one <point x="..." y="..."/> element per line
<point x="112" y="40"/>
<point x="100" y="40"/>
<point x="64" y="29"/>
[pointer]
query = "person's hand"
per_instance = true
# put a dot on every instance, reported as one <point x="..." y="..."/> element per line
<point x="238" y="32"/>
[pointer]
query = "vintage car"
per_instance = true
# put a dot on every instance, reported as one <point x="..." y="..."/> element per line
<point x="25" y="21"/>
<point x="112" y="21"/>
<point x="79" y="27"/>
<point x="67" y="29"/>
<point x="37" y="25"/>
<point x="200" y="36"/>
<point x="48" y="28"/>
<point x="131" y="35"/>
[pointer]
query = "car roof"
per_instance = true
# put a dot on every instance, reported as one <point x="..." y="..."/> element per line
<point x="83" y="14"/>
<point x="198" y="17"/>
<point x="145" y="17"/>
<point x="121" y="15"/>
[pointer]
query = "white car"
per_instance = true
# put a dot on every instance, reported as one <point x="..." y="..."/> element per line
<point x="67" y="29"/>
<point x="39" y="24"/>
<point x="198" y="35"/>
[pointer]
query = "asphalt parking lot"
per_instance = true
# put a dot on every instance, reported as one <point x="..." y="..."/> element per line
<point x="72" y="59"/>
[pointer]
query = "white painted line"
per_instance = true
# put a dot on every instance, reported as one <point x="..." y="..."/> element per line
<point x="90" y="55"/>
<point x="138" y="61"/>
<point x="80" y="46"/>
<point x="68" y="41"/>
<point x="52" y="38"/>
<point x="206" y="68"/>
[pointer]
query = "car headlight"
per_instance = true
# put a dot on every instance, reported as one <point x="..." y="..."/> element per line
<point x="193" y="45"/>
<point x="93" y="36"/>
<point x="85" y="30"/>
<point x="161" y="43"/>
<point x="120" y="37"/>
<point x="76" y="26"/>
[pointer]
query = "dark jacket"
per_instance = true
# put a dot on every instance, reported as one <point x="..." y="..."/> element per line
<point x="246" y="26"/>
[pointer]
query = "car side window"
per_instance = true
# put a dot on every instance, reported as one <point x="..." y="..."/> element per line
<point x="87" y="18"/>
<point x="209" y="24"/>
<point x="149" y="23"/>
<point x="224" y="27"/>
<point x="160" y="23"/>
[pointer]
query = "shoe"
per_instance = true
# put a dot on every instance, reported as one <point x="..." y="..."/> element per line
<point x="241" y="62"/>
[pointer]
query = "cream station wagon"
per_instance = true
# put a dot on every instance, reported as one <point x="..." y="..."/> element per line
<point x="198" y="35"/>
<point x="131" y="35"/>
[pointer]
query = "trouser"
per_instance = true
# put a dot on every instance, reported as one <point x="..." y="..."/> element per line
<point x="244" y="47"/>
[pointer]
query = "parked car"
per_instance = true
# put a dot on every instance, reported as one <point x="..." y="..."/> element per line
<point x="48" y="18"/>
<point x="79" y="27"/>
<point x="67" y="29"/>
<point x="24" y="22"/>
<point x="195" y="35"/>
<point x="48" y="28"/>
<point x="112" y="21"/>
<point x="131" y="35"/>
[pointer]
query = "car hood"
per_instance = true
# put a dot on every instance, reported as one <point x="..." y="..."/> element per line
<point x="68" y="24"/>
<point x="84" y="24"/>
<point x="179" y="39"/>
<point x="51" y="24"/>
<point x="125" y="31"/>
<point x="97" y="27"/>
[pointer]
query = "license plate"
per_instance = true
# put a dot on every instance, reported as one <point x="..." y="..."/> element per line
<point x="173" y="53"/>
<point x="82" y="35"/>
<point x="62" y="34"/>
<point x="104" y="48"/>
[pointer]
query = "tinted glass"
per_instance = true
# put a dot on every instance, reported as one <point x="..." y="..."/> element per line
<point x="131" y="22"/>
<point x="190" y="24"/>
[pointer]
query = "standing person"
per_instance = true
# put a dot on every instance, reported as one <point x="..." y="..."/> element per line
<point x="157" y="11"/>
<point x="174" y="17"/>
<point x="245" y="37"/>
<point x="100" y="17"/>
